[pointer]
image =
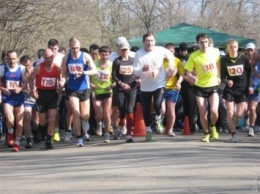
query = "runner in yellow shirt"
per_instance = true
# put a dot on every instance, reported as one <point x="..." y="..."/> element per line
<point x="171" y="92"/>
<point x="205" y="62"/>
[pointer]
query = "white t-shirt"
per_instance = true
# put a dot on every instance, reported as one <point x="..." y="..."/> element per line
<point x="57" y="59"/>
<point x="156" y="76"/>
<point x="115" y="55"/>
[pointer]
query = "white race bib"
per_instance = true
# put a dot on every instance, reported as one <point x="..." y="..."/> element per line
<point x="11" y="84"/>
<point x="48" y="82"/>
<point x="103" y="75"/>
<point x="208" y="67"/>
<point x="235" y="70"/>
<point x="73" y="68"/>
<point x="126" y="70"/>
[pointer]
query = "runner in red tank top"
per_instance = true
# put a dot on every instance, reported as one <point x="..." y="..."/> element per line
<point x="47" y="76"/>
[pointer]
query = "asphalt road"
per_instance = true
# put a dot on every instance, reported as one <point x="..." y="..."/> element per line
<point x="181" y="164"/>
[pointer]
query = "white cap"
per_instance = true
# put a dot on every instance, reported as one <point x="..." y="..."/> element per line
<point x="250" y="45"/>
<point x="124" y="45"/>
<point x="121" y="40"/>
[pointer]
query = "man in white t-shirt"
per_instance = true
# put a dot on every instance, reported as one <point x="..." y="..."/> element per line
<point x="148" y="65"/>
<point x="53" y="44"/>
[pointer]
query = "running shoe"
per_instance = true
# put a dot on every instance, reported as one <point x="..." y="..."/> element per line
<point x="68" y="136"/>
<point x="159" y="126"/>
<point x="56" y="136"/>
<point x="123" y="129"/>
<point x="106" y="138"/>
<point x="99" y="129"/>
<point x="86" y="137"/>
<point x="171" y="133"/>
<point x="80" y="142"/>
<point x="48" y="145"/>
<point x="206" y="138"/>
<point x="10" y="139"/>
<point x="28" y="145"/>
<point x="117" y="134"/>
<point x="251" y="132"/>
<point x="148" y="137"/>
<point x="129" y="139"/>
<point x="234" y="138"/>
<point x="16" y="148"/>
<point x="214" y="133"/>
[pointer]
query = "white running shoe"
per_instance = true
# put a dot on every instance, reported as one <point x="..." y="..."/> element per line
<point x="171" y="133"/>
<point x="235" y="138"/>
<point x="68" y="136"/>
<point x="80" y="142"/>
<point x="106" y="138"/>
<point x="251" y="132"/>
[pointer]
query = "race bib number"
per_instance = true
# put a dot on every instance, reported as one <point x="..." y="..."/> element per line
<point x="126" y="70"/>
<point x="235" y="70"/>
<point x="73" y="68"/>
<point x="48" y="82"/>
<point x="11" y="84"/>
<point x="103" y="75"/>
<point x="209" y="67"/>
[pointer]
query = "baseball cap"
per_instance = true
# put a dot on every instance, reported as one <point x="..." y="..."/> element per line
<point x="124" y="45"/>
<point x="250" y="45"/>
<point x="183" y="46"/>
<point x="120" y="40"/>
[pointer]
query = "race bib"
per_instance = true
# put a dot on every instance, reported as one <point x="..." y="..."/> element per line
<point x="103" y="75"/>
<point x="208" y="67"/>
<point x="73" y="68"/>
<point x="235" y="70"/>
<point x="126" y="70"/>
<point x="11" y="84"/>
<point x="48" y="82"/>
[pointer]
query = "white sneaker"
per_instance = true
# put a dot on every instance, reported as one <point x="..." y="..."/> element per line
<point x="251" y="132"/>
<point x="80" y="142"/>
<point x="234" y="138"/>
<point x="86" y="137"/>
<point x="85" y="125"/>
<point x="99" y="129"/>
<point x="106" y="138"/>
<point x="68" y="136"/>
<point x="123" y="129"/>
<point x="171" y="133"/>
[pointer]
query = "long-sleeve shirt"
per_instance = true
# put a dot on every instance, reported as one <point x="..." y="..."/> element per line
<point x="156" y="76"/>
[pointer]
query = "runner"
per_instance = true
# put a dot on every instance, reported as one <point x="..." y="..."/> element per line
<point x="148" y="65"/>
<point x="123" y="75"/>
<point x="254" y="99"/>
<point x="236" y="74"/>
<point x="171" y="92"/>
<point x="79" y="66"/>
<point x="102" y="92"/>
<point x="46" y="91"/>
<point x="205" y="62"/>
<point x="13" y="99"/>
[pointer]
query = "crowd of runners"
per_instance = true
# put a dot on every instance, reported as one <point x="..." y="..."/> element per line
<point x="80" y="92"/>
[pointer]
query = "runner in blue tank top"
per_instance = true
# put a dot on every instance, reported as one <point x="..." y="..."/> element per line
<point x="13" y="98"/>
<point x="253" y="55"/>
<point x="77" y="67"/>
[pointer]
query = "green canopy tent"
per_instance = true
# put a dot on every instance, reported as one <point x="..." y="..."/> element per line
<point x="187" y="33"/>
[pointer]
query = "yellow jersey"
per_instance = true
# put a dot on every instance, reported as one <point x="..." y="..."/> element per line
<point x="207" y="67"/>
<point x="172" y="81"/>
